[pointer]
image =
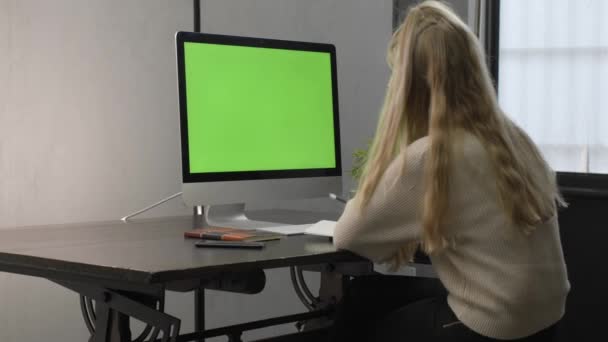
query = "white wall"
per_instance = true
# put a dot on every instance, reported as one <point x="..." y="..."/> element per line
<point x="88" y="124"/>
<point x="89" y="117"/>
<point x="88" y="130"/>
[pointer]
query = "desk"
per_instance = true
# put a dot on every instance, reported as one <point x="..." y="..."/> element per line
<point x="127" y="267"/>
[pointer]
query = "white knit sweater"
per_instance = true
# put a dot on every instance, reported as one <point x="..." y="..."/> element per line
<point x="500" y="283"/>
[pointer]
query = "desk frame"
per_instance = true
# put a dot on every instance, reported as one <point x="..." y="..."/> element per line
<point x="87" y="258"/>
<point x="109" y="322"/>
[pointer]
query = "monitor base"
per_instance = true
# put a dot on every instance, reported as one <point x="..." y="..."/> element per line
<point x="231" y="215"/>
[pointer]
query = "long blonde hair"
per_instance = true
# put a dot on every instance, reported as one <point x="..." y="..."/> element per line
<point x="440" y="84"/>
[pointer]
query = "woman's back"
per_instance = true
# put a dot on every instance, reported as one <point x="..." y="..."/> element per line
<point x="502" y="282"/>
<point x="491" y="266"/>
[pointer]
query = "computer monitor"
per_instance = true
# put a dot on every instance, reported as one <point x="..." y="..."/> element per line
<point x="259" y="121"/>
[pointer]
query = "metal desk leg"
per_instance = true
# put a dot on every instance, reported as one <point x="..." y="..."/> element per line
<point x="330" y="292"/>
<point x="332" y="287"/>
<point x="102" y="320"/>
<point x="120" y="330"/>
<point x="199" y="311"/>
<point x="115" y="325"/>
<point x="333" y="280"/>
<point x="114" y="308"/>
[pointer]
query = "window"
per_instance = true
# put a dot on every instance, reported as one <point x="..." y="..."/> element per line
<point x="553" y="78"/>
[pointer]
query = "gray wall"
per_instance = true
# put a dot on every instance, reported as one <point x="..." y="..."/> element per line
<point x="88" y="125"/>
<point x="460" y="6"/>
<point x="360" y="29"/>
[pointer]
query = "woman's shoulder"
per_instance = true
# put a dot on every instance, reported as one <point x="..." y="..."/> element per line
<point x="419" y="147"/>
<point x="469" y="152"/>
<point x="464" y="141"/>
<point x="466" y="147"/>
<point x="471" y="144"/>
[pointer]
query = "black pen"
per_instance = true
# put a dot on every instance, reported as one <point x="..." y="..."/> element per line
<point x="337" y="198"/>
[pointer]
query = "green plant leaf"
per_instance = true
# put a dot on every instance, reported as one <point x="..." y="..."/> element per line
<point x="359" y="160"/>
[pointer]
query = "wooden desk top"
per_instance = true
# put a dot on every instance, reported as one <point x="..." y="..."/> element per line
<point x="147" y="251"/>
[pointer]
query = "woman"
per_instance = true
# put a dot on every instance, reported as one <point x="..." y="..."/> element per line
<point x="450" y="173"/>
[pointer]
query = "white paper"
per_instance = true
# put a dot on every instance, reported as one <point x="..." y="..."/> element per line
<point x="322" y="228"/>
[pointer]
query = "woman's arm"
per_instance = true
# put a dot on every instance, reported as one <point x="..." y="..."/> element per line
<point x="392" y="218"/>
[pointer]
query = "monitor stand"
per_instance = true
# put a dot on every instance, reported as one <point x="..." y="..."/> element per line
<point x="225" y="215"/>
<point x="230" y="215"/>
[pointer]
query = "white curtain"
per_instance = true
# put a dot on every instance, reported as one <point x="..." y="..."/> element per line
<point x="553" y="78"/>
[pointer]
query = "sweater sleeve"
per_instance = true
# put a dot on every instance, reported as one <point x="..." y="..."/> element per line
<point x="392" y="217"/>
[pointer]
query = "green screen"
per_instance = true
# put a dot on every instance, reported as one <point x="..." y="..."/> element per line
<point x="258" y="109"/>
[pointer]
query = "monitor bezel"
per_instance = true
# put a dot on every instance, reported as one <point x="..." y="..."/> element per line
<point x="187" y="176"/>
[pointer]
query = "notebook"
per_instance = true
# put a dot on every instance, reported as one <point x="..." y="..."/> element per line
<point x="322" y="228"/>
<point x="231" y="234"/>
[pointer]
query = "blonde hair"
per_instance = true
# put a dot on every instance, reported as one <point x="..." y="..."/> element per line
<point x="439" y="85"/>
